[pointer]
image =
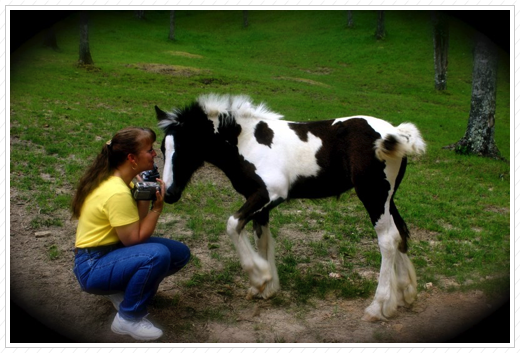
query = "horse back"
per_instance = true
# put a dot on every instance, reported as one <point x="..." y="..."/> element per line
<point x="347" y="148"/>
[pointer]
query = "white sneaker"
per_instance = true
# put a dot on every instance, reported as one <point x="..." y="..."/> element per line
<point x="140" y="330"/>
<point x="116" y="299"/>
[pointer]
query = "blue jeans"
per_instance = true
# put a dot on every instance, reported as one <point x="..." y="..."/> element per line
<point x="136" y="270"/>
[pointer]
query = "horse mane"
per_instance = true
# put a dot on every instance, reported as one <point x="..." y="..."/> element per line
<point x="171" y="119"/>
<point x="215" y="106"/>
<point x="241" y="106"/>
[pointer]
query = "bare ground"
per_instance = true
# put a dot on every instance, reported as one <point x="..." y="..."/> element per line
<point x="48" y="290"/>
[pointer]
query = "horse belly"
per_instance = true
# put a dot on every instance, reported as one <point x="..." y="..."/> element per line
<point x="319" y="187"/>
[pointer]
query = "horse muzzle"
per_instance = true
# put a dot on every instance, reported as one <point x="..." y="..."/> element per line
<point x="172" y="195"/>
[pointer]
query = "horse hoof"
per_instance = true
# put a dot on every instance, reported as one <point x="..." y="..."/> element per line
<point x="372" y="318"/>
<point x="251" y="293"/>
<point x="258" y="292"/>
<point x="262" y="287"/>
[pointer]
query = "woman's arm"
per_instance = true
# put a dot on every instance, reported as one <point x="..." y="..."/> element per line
<point x="137" y="232"/>
<point x="143" y="207"/>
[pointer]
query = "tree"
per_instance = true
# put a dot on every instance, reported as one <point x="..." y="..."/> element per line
<point x="441" y="37"/>
<point x="139" y="14"/>
<point x="49" y="40"/>
<point x="172" y="25"/>
<point x="350" y="20"/>
<point x="245" y="16"/>
<point x="380" y="31"/>
<point x="84" y="49"/>
<point x="479" y="138"/>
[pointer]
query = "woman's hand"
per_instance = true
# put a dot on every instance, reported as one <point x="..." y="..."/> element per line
<point x="158" y="204"/>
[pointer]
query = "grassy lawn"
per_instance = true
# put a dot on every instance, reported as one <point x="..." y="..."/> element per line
<point x="306" y="65"/>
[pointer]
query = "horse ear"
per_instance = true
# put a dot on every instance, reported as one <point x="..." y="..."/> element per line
<point x="166" y="120"/>
<point x="160" y="114"/>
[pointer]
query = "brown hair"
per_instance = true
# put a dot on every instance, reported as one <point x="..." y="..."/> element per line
<point x="114" y="153"/>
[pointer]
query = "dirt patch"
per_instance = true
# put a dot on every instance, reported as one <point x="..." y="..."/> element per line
<point x="185" y="55"/>
<point x="213" y="81"/>
<point x="319" y="71"/>
<point x="304" y="80"/>
<point x="48" y="290"/>
<point x="172" y="70"/>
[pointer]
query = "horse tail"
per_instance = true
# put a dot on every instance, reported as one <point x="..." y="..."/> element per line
<point x="406" y="140"/>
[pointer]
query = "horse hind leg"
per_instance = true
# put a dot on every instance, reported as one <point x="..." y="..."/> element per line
<point x="397" y="281"/>
<point x="406" y="278"/>
<point x="386" y="298"/>
<point x="376" y="195"/>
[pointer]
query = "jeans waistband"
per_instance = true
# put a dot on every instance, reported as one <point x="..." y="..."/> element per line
<point x="104" y="248"/>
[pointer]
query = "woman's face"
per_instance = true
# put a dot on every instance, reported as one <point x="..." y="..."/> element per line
<point x="146" y="156"/>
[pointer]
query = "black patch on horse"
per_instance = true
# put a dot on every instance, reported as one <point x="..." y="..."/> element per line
<point x="390" y="142"/>
<point x="399" y="222"/>
<point x="300" y="130"/>
<point x="229" y="129"/>
<point x="263" y="134"/>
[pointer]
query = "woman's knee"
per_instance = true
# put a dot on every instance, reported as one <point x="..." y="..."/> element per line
<point x="185" y="252"/>
<point x="179" y="252"/>
<point x="179" y="258"/>
<point x="158" y="255"/>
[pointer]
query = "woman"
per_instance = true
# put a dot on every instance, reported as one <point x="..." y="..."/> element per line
<point x="115" y="253"/>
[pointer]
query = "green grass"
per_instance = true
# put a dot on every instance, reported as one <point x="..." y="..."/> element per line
<point x="306" y="65"/>
<point x="54" y="252"/>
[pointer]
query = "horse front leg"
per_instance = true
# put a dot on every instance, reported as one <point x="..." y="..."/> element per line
<point x="257" y="268"/>
<point x="266" y="248"/>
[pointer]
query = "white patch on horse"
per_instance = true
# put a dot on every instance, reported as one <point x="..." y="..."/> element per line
<point x="287" y="159"/>
<point x="169" y="150"/>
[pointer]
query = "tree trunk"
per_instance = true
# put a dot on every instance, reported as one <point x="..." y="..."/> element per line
<point x="479" y="138"/>
<point x="84" y="50"/>
<point x="441" y="37"/>
<point x="380" y="31"/>
<point x="50" y="39"/>
<point x="172" y="26"/>
<point x="350" y="20"/>
<point x="246" y="19"/>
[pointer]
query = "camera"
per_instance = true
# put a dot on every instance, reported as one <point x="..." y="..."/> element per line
<point x="146" y="189"/>
<point x="151" y="175"/>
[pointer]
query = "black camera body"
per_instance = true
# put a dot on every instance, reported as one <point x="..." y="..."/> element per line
<point x="151" y="175"/>
<point x="146" y="189"/>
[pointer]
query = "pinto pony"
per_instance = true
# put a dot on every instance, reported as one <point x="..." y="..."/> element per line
<point x="269" y="160"/>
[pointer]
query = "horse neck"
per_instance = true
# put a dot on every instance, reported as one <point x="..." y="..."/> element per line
<point x="225" y="156"/>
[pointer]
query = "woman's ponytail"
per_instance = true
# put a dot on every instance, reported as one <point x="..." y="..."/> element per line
<point x="113" y="153"/>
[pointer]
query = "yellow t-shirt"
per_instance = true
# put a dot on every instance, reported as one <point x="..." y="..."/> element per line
<point x="110" y="205"/>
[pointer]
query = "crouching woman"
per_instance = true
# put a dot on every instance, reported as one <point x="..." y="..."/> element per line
<point x="115" y="254"/>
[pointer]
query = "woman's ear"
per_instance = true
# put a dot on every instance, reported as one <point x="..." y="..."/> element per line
<point x="132" y="158"/>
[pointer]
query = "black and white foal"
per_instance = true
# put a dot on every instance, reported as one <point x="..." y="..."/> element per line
<point x="269" y="160"/>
